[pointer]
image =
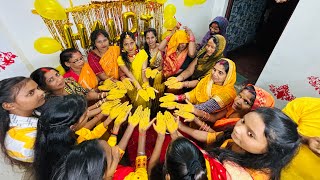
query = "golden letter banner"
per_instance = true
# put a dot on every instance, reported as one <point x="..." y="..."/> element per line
<point x="114" y="17"/>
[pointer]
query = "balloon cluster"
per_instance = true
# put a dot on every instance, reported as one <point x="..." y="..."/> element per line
<point x="50" y="9"/>
<point x="169" y="20"/>
<point x="193" y="2"/>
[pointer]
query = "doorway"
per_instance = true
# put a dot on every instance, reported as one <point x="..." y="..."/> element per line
<point x="259" y="34"/>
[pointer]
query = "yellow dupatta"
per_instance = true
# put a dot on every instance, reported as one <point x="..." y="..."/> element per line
<point x="136" y="70"/>
<point x="137" y="63"/>
<point x="206" y="89"/>
<point x="109" y="63"/>
<point x="172" y="62"/>
<point x="305" y="111"/>
<point x="87" y="77"/>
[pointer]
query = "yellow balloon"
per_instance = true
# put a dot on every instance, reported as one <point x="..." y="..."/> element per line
<point x="61" y="70"/>
<point x="200" y="1"/>
<point x="165" y="16"/>
<point x="161" y="1"/>
<point x="50" y="9"/>
<point x="170" y="23"/>
<point x="165" y="34"/>
<point x="170" y="10"/>
<point x="47" y="45"/>
<point x="189" y="3"/>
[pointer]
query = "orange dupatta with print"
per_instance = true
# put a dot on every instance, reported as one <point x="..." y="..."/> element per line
<point x="206" y="89"/>
<point x="109" y="63"/>
<point x="87" y="77"/>
<point x="263" y="99"/>
<point x="172" y="62"/>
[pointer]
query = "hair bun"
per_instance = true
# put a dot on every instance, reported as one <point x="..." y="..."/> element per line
<point x="194" y="166"/>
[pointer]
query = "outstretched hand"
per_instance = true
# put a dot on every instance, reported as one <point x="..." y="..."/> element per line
<point x="171" y="123"/>
<point x="160" y="127"/>
<point x="144" y="123"/>
<point x="135" y="118"/>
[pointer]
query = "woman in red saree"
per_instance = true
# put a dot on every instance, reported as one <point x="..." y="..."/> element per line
<point x="103" y="57"/>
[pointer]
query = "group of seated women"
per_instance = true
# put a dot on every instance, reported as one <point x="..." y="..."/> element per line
<point x="167" y="111"/>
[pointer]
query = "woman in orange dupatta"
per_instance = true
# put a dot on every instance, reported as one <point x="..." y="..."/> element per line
<point x="103" y="57"/>
<point x="259" y="147"/>
<point x="75" y="66"/>
<point x="249" y="99"/>
<point x="179" y="49"/>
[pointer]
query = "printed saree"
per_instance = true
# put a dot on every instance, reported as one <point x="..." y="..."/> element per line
<point x="172" y="62"/>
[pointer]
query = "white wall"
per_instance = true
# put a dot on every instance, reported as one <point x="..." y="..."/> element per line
<point x="296" y="55"/>
<point x="198" y="17"/>
<point x="23" y="28"/>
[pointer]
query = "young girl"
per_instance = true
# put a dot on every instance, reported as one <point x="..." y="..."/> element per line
<point x="103" y="58"/>
<point x="19" y="97"/>
<point x="103" y="158"/>
<point x="262" y="144"/>
<point x="73" y="62"/>
<point x="133" y="62"/>
<point x="61" y="116"/>
<point x="155" y="61"/>
<point x="54" y="84"/>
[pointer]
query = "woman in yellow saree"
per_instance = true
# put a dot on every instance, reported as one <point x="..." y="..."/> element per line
<point x="133" y="63"/>
<point x="155" y="62"/>
<point x="103" y="57"/>
<point x="218" y="86"/>
<point x="75" y="66"/>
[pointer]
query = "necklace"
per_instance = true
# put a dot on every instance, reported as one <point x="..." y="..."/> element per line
<point x="134" y="55"/>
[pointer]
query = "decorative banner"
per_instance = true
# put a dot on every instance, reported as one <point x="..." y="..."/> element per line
<point x="6" y="59"/>
<point x="282" y="92"/>
<point x="315" y="82"/>
<point x="115" y="17"/>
